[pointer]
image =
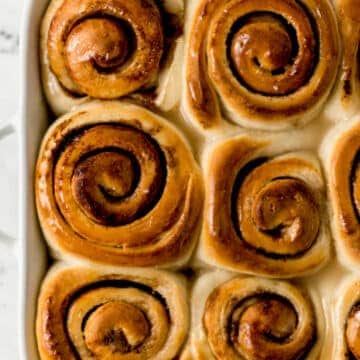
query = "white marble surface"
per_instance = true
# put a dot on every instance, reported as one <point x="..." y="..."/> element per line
<point x="10" y="17"/>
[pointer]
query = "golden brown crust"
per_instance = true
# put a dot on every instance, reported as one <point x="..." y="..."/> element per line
<point x="252" y="318"/>
<point x="263" y="212"/>
<point x="272" y="63"/>
<point x="346" y="319"/>
<point x="104" y="49"/>
<point x="341" y="156"/>
<point x="101" y="313"/>
<point x="117" y="184"/>
<point x="87" y="56"/>
<point x="349" y="21"/>
<point x="352" y="331"/>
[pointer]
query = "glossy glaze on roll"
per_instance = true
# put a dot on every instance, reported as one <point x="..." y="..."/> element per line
<point x="347" y="95"/>
<point x="340" y="153"/>
<point x="264" y="209"/>
<point x="87" y="313"/>
<point x="109" y="49"/>
<point x="117" y="184"/>
<point x="346" y="311"/>
<point x="252" y="318"/>
<point x="269" y="64"/>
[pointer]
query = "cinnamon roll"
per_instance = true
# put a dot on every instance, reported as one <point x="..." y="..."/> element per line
<point x="269" y="64"/>
<point x="253" y="318"/>
<point x="340" y="152"/>
<point x="108" y="49"/>
<point x="117" y="184"/>
<point x="346" y="320"/>
<point x="264" y="210"/>
<point x="347" y="96"/>
<point x="89" y="313"/>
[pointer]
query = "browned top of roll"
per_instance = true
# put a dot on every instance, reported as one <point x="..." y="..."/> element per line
<point x="284" y="208"/>
<point x="258" y="324"/>
<point x="124" y="191"/>
<point x="352" y="332"/>
<point x="106" y="48"/>
<point x="262" y="215"/>
<point x="349" y="20"/>
<point x="344" y="182"/>
<point x="86" y="313"/>
<point x="118" y="177"/>
<point x="267" y="60"/>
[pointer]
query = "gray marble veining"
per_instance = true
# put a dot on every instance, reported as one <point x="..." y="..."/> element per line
<point x="9" y="42"/>
<point x="10" y="17"/>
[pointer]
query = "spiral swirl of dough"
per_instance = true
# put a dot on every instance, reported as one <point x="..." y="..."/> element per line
<point x="348" y="90"/>
<point x="87" y="313"/>
<point x="341" y="156"/>
<point x="260" y="324"/>
<point x="106" y="49"/>
<point x="117" y="184"/>
<point x="242" y="318"/>
<point x="271" y="63"/>
<point x="263" y="211"/>
<point x="346" y="319"/>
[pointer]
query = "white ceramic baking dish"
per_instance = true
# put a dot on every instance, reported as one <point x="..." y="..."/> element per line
<point x="32" y="122"/>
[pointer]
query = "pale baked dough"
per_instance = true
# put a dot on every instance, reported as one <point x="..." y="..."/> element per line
<point x="88" y="46"/>
<point x="258" y="63"/>
<point x="340" y="154"/>
<point x="117" y="184"/>
<point x="265" y="210"/>
<point x="223" y="326"/>
<point x="111" y="313"/>
<point x="346" y="312"/>
<point x="347" y="94"/>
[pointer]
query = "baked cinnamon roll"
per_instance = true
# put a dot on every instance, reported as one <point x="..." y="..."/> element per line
<point x="264" y="209"/>
<point x="89" y="313"/>
<point x="340" y="152"/>
<point x="346" y="320"/>
<point x="117" y="184"/>
<point x="347" y="96"/>
<point x="269" y="64"/>
<point x="252" y="318"/>
<point x="108" y="49"/>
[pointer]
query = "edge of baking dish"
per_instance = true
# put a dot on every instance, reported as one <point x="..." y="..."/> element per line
<point x="31" y="126"/>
